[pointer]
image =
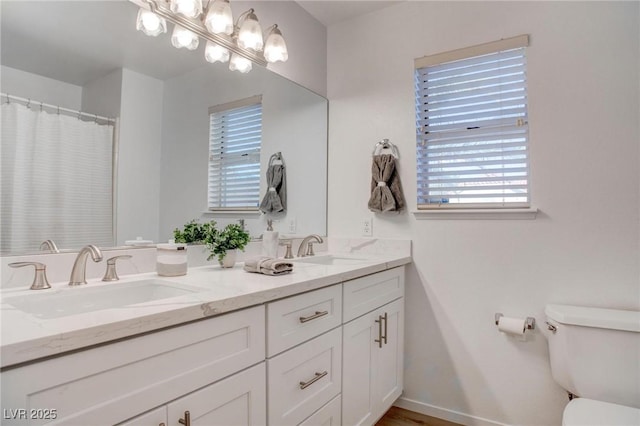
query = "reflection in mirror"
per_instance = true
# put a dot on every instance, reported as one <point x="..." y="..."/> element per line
<point x="87" y="56"/>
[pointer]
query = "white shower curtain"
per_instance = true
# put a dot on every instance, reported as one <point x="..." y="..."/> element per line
<point x="56" y="180"/>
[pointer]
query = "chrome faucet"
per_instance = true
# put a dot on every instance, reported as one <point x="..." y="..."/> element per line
<point x="306" y="246"/>
<point x="50" y="246"/>
<point x="78" y="273"/>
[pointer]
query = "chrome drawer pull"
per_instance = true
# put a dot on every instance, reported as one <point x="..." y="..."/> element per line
<point x="384" y="338"/>
<point x="380" y="338"/>
<point x="318" y="314"/>
<point x="318" y="376"/>
<point x="187" y="419"/>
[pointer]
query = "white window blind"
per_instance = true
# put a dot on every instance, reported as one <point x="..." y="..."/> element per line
<point x="235" y="134"/>
<point x="472" y="127"/>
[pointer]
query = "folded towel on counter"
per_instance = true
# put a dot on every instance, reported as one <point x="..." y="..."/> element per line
<point x="386" y="189"/>
<point x="268" y="266"/>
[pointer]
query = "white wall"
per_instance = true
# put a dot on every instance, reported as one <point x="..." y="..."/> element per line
<point x="294" y="122"/>
<point x="41" y="89"/>
<point x="139" y="158"/>
<point x="583" y="248"/>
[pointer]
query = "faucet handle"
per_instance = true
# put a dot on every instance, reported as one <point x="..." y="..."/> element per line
<point x="287" y="244"/>
<point x="111" y="274"/>
<point x="310" y="249"/>
<point x="40" y="281"/>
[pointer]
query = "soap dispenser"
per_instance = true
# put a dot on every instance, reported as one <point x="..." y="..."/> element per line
<point x="270" y="241"/>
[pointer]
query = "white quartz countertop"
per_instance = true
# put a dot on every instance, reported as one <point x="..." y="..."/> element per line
<point x="214" y="290"/>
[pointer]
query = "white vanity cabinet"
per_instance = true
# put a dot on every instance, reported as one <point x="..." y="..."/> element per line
<point x="373" y="344"/>
<point x="110" y="384"/>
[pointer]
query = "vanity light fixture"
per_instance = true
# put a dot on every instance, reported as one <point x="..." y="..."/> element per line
<point x="243" y="42"/>
<point x="150" y="23"/>
<point x="219" y="18"/>
<point x="188" y="8"/>
<point x="184" y="38"/>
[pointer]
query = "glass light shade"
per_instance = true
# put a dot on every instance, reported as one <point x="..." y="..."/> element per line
<point x="216" y="53"/>
<point x="250" y="34"/>
<point x="188" y="8"/>
<point x="184" y="38"/>
<point x="219" y="18"/>
<point x="150" y="23"/>
<point x="275" y="49"/>
<point x="238" y="63"/>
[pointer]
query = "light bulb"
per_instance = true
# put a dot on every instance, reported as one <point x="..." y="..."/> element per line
<point x="219" y="18"/>
<point x="216" y="53"/>
<point x="188" y="8"/>
<point x="238" y="63"/>
<point x="275" y="49"/>
<point x="150" y="23"/>
<point x="184" y="38"/>
<point x="250" y="34"/>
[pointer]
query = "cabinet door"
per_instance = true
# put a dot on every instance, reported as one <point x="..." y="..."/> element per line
<point x="238" y="400"/>
<point x="157" y="417"/>
<point x="390" y="357"/>
<point x="372" y="365"/>
<point x="359" y="360"/>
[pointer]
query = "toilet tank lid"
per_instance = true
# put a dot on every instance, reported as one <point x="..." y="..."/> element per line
<point x="594" y="317"/>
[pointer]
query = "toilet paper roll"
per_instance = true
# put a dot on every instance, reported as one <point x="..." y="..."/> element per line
<point x="515" y="326"/>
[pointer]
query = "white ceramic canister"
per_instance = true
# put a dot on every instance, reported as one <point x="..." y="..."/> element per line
<point x="171" y="259"/>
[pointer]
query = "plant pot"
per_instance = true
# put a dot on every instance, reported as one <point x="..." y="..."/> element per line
<point x="229" y="259"/>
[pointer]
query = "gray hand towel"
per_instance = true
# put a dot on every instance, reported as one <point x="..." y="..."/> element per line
<point x="275" y="200"/>
<point x="268" y="266"/>
<point x="386" y="188"/>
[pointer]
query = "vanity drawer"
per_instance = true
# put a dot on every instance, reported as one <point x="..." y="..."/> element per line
<point x="365" y="294"/>
<point x="329" y="415"/>
<point x="304" y="379"/>
<point x="114" y="382"/>
<point x="300" y="318"/>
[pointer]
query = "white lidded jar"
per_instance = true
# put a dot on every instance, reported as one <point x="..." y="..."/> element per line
<point x="171" y="259"/>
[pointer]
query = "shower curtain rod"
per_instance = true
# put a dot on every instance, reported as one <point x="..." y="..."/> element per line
<point x="30" y="102"/>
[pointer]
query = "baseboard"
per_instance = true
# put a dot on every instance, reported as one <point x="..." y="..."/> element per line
<point x="443" y="413"/>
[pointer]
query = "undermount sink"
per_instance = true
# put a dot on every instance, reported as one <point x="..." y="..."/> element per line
<point x="331" y="259"/>
<point x="73" y="301"/>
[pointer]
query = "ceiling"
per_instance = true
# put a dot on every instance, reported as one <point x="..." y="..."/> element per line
<point x="329" y="12"/>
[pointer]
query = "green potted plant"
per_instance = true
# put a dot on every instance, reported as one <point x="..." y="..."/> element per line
<point x="194" y="232"/>
<point x="226" y="242"/>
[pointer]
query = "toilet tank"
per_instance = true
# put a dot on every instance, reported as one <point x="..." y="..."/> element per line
<point x="595" y="352"/>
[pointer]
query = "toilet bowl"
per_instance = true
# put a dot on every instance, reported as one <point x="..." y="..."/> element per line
<point x="595" y="355"/>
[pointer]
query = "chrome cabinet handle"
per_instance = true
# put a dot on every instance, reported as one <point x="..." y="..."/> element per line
<point x="318" y="314"/>
<point x="384" y="317"/>
<point x="379" y="339"/>
<point x="382" y="337"/>
<point x="318" y="376"/>
<point x="187" y="419"/>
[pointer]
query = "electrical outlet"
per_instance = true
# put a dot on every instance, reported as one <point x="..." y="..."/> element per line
<point x="292" y="225"/>
<point x="367" y="227"/>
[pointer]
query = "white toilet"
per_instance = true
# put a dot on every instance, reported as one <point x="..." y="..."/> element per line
<point x="595" y="355"/>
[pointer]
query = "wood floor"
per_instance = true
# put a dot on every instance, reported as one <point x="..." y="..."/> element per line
<point x="400" y="417"/>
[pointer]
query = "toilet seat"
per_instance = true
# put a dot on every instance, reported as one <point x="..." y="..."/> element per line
<point x="588" y="412"/>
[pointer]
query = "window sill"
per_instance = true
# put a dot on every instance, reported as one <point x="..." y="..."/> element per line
<point x="232" y="213"/>
<point x="475" y="214"/>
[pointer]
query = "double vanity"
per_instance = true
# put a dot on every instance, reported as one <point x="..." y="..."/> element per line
<point x="322" y="345"/>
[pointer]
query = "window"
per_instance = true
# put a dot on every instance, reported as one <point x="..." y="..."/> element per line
<point x="235" y="134"/>
<point x="472" y="127"/>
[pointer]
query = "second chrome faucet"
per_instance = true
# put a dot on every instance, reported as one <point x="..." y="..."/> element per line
<point x="78" y="273"/>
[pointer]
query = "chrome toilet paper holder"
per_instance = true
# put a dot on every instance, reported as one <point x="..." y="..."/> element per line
<point x="530" y="322"/>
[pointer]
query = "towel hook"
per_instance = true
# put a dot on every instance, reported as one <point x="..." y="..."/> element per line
<point x="385" y="144"/>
